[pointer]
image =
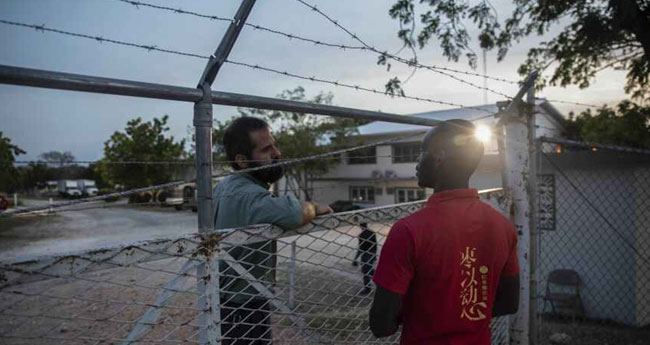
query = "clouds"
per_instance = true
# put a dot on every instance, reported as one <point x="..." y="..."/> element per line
<point x="42" y="120"/>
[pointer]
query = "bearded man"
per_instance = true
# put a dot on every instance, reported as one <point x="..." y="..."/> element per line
<point x="244" y="199"/>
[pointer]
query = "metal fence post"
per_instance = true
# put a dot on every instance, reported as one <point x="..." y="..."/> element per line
<point x="516" y="173"/>
<point x="209" y="299"/>
<point x="515" y="150"/>
<point x="532" y="195"/>
<point x="208" y="303"/>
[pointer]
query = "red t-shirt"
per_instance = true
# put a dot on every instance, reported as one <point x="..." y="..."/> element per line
<point x="446" y="260"/>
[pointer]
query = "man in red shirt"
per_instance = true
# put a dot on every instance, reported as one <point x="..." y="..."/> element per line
<point x="445" y="270"/>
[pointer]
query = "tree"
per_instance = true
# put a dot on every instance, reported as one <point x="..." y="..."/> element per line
<point x="34" y="175"/>
<point x="299" y="135"/>
<point x="599" y="34"/>
<point x="8" y="175"/>
<point x="628" y="124"/>
<point x="57" y="157"/>
<point x="140" y="141"/>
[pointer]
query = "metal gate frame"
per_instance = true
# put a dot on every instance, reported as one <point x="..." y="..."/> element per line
<point x="516" y="132"/>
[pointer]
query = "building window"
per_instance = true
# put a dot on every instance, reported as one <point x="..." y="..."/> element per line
<point x="408" y="194"/>
<point x="363" y="194"/>
<point x="406" y="152"/>
<point x="363" y="156"/>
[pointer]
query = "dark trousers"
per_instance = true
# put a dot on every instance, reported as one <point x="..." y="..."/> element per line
<point x="367" y="268"/>
<point x="246" y="324"/>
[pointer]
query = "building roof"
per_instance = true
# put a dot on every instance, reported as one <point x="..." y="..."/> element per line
<point x="378" y="127"/>
<point x="467" y="113"/>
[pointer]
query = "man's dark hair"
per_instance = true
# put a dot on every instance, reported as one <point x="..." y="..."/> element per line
<point x="456" y="138"/>
<point x="236" y="139"/>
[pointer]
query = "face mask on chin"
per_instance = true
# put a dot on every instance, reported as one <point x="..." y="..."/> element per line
<point x="268" y="175"/>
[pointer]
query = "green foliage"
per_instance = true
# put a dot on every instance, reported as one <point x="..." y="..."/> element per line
<point x="8" y="152"/>
<point x="140" y="141"/>
<point x="299" y="135"/>
<point x="628" y="124"/>
<point x="599" y="34"/>
<point x="34" y="175"/>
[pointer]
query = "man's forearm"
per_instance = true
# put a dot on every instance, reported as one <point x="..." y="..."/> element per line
<point x="385" y="313"/>
<point x="507" y="297"/>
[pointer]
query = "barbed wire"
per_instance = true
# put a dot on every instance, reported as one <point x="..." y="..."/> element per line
<point x="254" y="26"/>
<point x="255" y="67"/>
<point x="571" y="102"/>
<point x="433" y="68"/>
<point x="185" y="163"/>
<point x="100" y="39"/>
<point x="137" y="4"/>
<point x="354" y="87"/>
<point x="364" y="47"/>
<point x="106" y="205"/>
<point x="177" y="183"/>
<point x="358" y="39"/>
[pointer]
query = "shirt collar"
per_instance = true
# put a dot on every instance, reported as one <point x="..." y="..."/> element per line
<point x="464" y="193"/>
<point x="256" y="181"/>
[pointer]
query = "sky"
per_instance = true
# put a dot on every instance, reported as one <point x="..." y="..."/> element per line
<point x="40" y="120"/>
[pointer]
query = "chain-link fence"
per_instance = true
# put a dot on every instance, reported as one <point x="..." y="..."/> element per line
<point x="306" y="289"/>
<point x="594" y="243"/>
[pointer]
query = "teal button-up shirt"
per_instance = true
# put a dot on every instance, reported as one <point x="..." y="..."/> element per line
<point x="239" y="201"/>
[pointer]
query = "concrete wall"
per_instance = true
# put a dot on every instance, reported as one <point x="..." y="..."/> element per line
<point x="614" y="284"/>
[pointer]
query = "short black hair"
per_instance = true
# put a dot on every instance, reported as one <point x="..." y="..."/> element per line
<point x="457" y="138"/>
<point x="236" y="139"/>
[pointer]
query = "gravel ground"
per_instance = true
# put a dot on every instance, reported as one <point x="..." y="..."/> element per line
<point x="593" y="332"/>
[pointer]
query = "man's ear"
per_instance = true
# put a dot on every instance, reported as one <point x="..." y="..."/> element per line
<point x="439" y="157"/>
<point x="241" y="160"/>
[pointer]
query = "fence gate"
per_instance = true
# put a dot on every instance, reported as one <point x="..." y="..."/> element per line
<point x="146" y="292"/>
<point x="594" y="243"/>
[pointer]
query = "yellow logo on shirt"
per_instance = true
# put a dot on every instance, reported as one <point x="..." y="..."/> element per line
<point x="473" y="307"/>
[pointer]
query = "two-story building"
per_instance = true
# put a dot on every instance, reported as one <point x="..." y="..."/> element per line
<point x="385" y="174"/>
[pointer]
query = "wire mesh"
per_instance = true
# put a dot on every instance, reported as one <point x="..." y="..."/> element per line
<point x="594" y="242"/>
<point x="308" y="291"/>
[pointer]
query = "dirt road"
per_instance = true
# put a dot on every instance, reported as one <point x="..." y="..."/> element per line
<point x="89" y="228"/>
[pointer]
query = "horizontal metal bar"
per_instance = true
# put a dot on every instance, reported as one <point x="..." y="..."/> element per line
<point x="152" y="250"/>
<point x="589" y="145"/>
<point x="76" y="82"/>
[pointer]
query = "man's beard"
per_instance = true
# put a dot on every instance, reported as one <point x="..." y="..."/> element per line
<point x="267" y="175"/>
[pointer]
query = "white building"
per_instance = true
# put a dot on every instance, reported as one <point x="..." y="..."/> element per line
<point x="385" y="174"/>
